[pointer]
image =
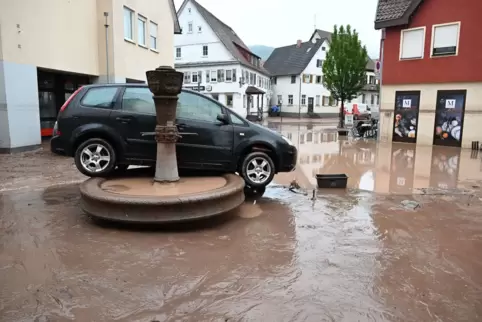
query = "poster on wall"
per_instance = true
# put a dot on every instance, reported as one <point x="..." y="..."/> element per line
<point x="449" y="118"/>
<point x="406" y="116"/>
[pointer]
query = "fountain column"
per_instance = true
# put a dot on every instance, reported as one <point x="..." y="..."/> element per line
<point x="165" y="83"/>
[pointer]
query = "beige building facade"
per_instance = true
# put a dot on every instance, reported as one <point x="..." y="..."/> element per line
<point x="49" y="48"/>
<point x="471" y="127"/>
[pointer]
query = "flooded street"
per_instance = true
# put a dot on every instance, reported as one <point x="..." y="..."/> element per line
<point x="402" y="243"/>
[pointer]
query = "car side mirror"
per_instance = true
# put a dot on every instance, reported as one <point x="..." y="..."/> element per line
<point x="223" y="118"/>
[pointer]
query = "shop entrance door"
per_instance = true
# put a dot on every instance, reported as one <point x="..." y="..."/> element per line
<point x="54" y="89"/>
<point x="449" y="118"/>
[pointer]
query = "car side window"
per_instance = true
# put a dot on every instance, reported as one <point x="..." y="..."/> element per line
<point x="236" y="120"/>
<point x="195" y="107"/>
<point x="99" y="97"/>
<point x="138" y="100"/>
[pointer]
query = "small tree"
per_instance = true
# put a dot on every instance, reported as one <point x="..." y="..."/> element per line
<point x="344" y="68"/>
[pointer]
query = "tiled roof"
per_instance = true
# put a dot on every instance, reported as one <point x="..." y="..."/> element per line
<point x="370" y="65"/>
<point x="228" y="37"/>
<point x="322" y="34"/>
<point x="392" y="13"/>
<point x="177" y="27"/>
<point x="291" y="60"/>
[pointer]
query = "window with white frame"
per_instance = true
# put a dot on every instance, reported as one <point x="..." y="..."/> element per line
<point x="214" y="78"/>
<point x="178" y="53"/>
<point x="195" y="77"/>
<point x="445" y="39"/>
<point x="189" y="27"/>
<point x="290" y="99"/>
<point x="141" y="30"/>
<point x="205" y="51"/>
<point x="234" y="75"/>
<point x="229" y="75"/>
<point x="229" y="100"/>
<point x="153" y="35"/>
<point x="303" y="99"/>
<point x="220" y="75"/>
<point x="412" y="43"/>
<point x="326" y="101"/>
<point x="317" y="100"/>
<point x="187" y="77"/>
<point x="128" y="23"/>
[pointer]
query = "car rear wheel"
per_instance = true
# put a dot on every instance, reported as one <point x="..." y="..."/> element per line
<point x="95" y="158"/>
<point x="257" y="170"/>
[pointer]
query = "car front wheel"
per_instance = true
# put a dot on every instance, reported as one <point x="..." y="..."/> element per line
<point x="257" y="169"/>
<point x="95" y="158"/>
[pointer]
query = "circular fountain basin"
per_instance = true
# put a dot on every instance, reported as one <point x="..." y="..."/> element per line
<point x="142" y="200"/>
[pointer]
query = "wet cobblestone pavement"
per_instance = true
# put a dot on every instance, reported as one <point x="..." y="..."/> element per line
<point x="397" y="245"/>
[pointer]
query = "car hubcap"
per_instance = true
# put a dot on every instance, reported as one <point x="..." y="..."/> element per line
<point x="258" y="170"/>
<point x="95" y="158"/>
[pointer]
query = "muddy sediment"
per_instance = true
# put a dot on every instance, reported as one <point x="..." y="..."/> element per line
<point x="354" y="255"/>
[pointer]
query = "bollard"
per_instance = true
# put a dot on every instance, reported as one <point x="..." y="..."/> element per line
<point x="475" y="145"/>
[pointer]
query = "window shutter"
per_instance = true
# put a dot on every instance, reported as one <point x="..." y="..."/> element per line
<point x="445" y="39"/>
<point x="413" y="43"/>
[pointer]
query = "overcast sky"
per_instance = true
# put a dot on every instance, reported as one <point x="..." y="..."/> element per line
<point x="279" y="23"/>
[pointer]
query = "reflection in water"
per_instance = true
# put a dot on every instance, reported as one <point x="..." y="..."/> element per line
<point x="382" y="167"/>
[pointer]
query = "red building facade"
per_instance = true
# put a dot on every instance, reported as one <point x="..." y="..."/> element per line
<point x="432" y="57"/>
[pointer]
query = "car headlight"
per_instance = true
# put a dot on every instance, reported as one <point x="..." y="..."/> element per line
<point x="287" y="140"/>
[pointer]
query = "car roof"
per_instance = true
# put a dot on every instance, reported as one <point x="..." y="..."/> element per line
<point x="130" y="85"/>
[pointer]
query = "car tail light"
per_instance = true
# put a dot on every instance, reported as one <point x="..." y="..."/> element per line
<point x="56" y="131"/>
<point x="67" y="102"/>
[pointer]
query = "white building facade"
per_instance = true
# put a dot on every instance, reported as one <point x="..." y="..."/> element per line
<point x="216" y="62"/>
<point x="298" y="85"/>
<point x="297" y="78"/>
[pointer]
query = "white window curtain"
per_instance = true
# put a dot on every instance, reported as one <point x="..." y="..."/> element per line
<point x="412" y="43"/>
<point x="445" y="36"/>
<point x="128" y="23"/>
<point x="153" y="33"/>
<point x="141" y="30"/>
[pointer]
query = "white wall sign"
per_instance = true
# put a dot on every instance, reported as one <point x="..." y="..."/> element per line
<point x="407" y="103"/>
<point x="349" y="120"/>
<point x="449" y="103"/>
<point x="401" y="181"/>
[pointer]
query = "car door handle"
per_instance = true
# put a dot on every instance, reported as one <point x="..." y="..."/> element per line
<point x="124" y="119"/>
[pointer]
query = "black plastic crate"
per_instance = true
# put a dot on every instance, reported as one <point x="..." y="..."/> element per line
<point x="332" y="180"/>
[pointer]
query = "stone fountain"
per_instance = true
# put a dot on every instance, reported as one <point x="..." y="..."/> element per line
<point x="166" y="197"/>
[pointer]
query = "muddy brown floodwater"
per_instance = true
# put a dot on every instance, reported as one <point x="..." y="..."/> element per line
<point x="392" y="249"/>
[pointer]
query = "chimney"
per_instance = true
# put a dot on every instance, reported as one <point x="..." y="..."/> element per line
<point x="298" y="43"/>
